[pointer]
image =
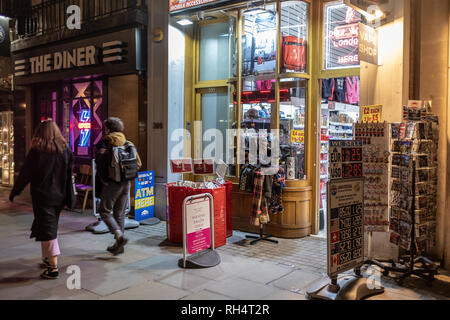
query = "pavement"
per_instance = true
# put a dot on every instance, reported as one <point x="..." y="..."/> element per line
<point x="148" y="269"/>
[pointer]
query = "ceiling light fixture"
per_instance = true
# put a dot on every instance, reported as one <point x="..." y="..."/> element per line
<point x="184" y="22"/>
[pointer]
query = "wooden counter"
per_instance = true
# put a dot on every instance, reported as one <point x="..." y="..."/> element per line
<point x="294" y="222"/>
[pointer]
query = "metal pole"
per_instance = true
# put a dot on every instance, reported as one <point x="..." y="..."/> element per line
<point x="94" y="202"/>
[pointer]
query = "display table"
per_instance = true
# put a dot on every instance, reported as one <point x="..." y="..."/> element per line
<point x="175" y="196"/>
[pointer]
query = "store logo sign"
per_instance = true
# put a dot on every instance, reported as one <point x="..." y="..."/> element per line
<point x="112" y="51"/>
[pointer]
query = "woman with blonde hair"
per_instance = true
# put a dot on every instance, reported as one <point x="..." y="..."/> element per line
<point x="48" y="169"/>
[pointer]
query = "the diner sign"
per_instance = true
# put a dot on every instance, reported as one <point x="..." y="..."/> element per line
<point x="345" y="225"/>
<point x="177" y="5"/>
<point x="372" y="114"/>
<point x="84" y="56"/>
<point x="368" y="44"/>
<point x="345" y="159"/>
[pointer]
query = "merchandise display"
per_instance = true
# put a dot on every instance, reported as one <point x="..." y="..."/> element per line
<point x="376" y="155"/>
<point x="414" y="184"/>
<point x="338" y="119"/>
<point x="175" y="195"/>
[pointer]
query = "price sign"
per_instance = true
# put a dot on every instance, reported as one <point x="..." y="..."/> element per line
<point x="181" y="165"/>
<point x="345" y="159"/>
<point x="203" y="166"/>
<point x="345" y="225"/>
<point x="372" y="114"/>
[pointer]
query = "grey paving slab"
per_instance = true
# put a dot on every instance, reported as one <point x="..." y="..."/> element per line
<point x="206" y="295"/>
<point x="296" y="281"/>
<point x="186" y="281"/>
<point x="241" y="289"/>
<point x="284" y="295"/>
<point x="107" y="283"/>
<point x="149" y="291"/>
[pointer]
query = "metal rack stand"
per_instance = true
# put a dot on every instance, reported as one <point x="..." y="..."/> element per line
<point x="261" y="236"/>
<point x="427" y="269"/>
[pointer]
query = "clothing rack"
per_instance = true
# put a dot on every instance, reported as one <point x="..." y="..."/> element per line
<point x="261" y="236"/>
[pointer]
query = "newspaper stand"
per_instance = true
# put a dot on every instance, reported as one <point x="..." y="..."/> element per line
<point x="198" y="253"/>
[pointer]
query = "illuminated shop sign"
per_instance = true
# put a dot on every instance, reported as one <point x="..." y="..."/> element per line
<point x="341" y="36"/>
<point x="84" y="125"/>
<point x="72" y="58"/>
<point x="179" y="5"/>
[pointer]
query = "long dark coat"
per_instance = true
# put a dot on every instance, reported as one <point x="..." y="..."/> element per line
<point x="50" y="176"/>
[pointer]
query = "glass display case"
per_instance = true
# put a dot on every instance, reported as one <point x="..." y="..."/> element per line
<point x="7" y="147"/>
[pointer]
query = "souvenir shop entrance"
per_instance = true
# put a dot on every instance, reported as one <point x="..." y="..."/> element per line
<point x="256" y="68"/>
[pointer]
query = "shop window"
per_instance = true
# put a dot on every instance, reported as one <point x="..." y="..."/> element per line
<point x="258" y="101"/>
<point x="217" y="47"/>
<point x="340" y="36"/>
<point x="293" y="120"/>
<point x="294" y="36"/>
<point x="259" y="49"/>
<point x="85" y="101"/>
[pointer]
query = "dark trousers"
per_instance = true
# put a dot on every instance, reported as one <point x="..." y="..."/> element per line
<point x="113" y="202"/>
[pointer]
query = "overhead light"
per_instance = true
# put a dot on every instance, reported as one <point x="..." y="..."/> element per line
<point x="371" y="15"/>
<point x="184" y="22"/>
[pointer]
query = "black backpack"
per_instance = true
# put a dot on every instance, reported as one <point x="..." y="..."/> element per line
<point x="124" y="163"/>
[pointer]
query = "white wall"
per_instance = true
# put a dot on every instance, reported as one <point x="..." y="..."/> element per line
<point x="388" y="83"/>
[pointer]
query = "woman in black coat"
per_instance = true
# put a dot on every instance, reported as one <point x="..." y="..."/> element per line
<point x="48" y="167"/>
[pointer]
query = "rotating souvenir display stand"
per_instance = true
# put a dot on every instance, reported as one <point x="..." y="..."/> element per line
<point x="413" y="200"/>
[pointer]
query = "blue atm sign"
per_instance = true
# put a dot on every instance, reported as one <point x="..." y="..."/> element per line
<point x="144" y="196"/>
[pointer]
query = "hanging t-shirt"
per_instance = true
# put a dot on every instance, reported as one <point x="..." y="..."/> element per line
<point x="352" y="93"/>
<point x="327" y="89"/>
<point x="340" y="87"/>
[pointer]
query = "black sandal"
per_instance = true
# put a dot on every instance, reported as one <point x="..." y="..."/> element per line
<point x="45" y="263"/>
<point x="50" y="273"/>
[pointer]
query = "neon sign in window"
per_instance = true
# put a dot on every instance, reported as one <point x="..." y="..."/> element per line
<point x="84" y="125"/>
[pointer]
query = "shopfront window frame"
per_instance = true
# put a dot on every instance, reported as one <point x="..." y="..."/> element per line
<point x="277" y="75"/>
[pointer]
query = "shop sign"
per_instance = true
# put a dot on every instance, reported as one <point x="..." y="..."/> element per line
<point x="144" y="196"/>
<point x="341" y="36"/>
<point x="198" y="225"/>
<point x="345" y="225"/>
<point x="181" y="165"/>
<point x="203" y="166"/>
<point x="345" y="159"/>
<point x="368" y="44"/>
<point x="372" y="114"/>
<point x="297" y="136"/>
<point x="79" y="57"/>
<point x="179" y="5"/>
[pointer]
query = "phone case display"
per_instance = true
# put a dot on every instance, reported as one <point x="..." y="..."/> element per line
<point x="7" y="148"/>
<point x="342" y="118"/>
<point x="259" y="41"/>
<point x="414" y="184"/>
<point x="376" y="155"/>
